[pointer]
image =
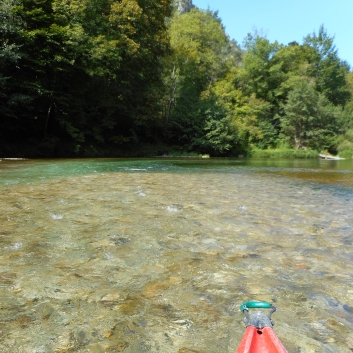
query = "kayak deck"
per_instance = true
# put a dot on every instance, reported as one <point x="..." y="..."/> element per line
<point x="260" y="341"/>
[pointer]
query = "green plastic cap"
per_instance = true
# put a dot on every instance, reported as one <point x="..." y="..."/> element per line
<point x="255" y="305"/>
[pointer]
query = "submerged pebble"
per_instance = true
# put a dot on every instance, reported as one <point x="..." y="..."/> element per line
<point x="167" y="272"/>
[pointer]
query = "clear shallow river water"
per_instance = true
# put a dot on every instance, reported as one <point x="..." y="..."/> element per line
<point x="109" y="255"/>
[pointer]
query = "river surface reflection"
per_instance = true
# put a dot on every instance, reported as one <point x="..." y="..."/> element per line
<point x="109" y="255"/>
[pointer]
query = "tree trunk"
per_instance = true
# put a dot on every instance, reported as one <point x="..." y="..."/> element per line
<point x="171" y="100"/>
<point x="47" y="120"/>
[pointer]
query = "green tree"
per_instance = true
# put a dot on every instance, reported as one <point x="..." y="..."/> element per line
<point x="9" y="54"/>
<point x="346" y="121"/>
<point x="87" y="70"/>
<point x="327" y="68"/>
<point x="309" y="120"/>
<point x="217" y="133"/>
<point x="260" y="74"/>
<point x="292" y="64"/>
<point x="260" y="78"/>
<point x="201" y="55"/>
<point x="247" y="114"/>
<point x="345" y="139"/>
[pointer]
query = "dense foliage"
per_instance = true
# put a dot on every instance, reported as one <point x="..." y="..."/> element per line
<point x="91" y="77"/>
<point x="80" y="73"/>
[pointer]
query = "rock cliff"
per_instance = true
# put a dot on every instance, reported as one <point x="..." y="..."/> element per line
<point x="183" y="5"/>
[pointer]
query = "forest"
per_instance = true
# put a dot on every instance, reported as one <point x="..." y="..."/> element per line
<point x="99" y="78"/>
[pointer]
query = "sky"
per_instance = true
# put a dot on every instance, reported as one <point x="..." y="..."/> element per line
<point x="287" y="20"/>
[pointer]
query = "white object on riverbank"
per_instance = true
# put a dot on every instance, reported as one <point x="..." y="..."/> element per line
<point x="13" y="159"/>
<point x="325" y="156"/>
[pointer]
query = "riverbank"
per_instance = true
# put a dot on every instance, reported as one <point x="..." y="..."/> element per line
<point x="284" y="153"/>
<point x="96" y="150"/>
<point x="141" y="150"/>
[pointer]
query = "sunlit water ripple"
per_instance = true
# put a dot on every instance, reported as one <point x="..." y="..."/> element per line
<point x="157" y="255"/>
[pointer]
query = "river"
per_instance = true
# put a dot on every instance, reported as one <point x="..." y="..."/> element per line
<point x="156" y="255"/>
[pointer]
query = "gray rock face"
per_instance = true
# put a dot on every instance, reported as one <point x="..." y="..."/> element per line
<point x="183" y="5"/>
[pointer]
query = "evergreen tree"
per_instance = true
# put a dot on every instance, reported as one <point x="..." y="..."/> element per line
<point x="309" y="120"/>
<point x="327" y="68"/>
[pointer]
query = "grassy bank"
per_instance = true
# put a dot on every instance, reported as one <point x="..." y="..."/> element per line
<point x="346" y="154"/>
<point x="284" y="153"/>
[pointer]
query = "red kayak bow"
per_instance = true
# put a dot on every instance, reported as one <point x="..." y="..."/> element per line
<point x="259" y="336"/>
